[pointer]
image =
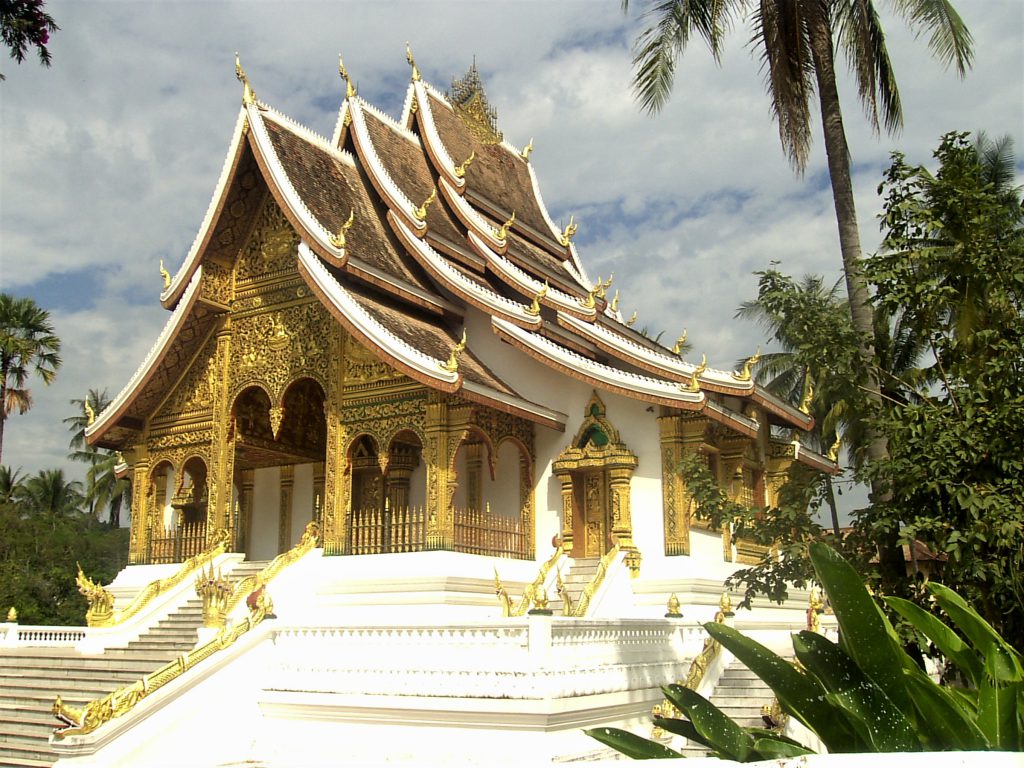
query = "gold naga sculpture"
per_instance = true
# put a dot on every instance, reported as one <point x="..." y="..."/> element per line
<point x="90" y="414"/>
<point x="165" y="275"/>
<point x="534" y="308"/>
<point x="412" y="63"/>
<point x="502" y="232"/>
<point x="248" y="94"/>
<point x="460" y="170"/>
<point x="452" y="364"/>
<point x="101" y="602"/>
<point x="563" y="592"/>
<point x="421" y="212"/>
<point x="567" y="234"/>
<point x="747" y="373"/>
<point x="677" y="348"/>
<point x="694" y="383"/>
<point x="350" y="88"/>
<point x="525" y="154"/>
<point x="338" y="240"/>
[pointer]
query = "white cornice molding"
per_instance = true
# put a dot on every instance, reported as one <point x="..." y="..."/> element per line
<point x="172" y="293"/>
<point x="284" y="184"/>
<point x="433" y="139"/>
<point x="518" y="403"/>
<point x="339" y="125"/>
<point x="469" y="216"/>
<point x="459" y="283"/>
<point x="598" y="372"/>
<point x="151" y="360"/>
<point x="524" y="282"/>
<point x="368" y="326"/>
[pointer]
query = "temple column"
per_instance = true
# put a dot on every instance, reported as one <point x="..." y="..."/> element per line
<point x="731" y="467"/>
<point x="142" y="492"/>
<point x="681" y="434"/>
<point x="337" y="474"/>
<point x="622" y="519"/>
<point x="318" y="493"/>
<point x="565" y="479"/>
<point x="222" y="449"/>
<point x="445" y="425"/>
<point x="284" y="517"/>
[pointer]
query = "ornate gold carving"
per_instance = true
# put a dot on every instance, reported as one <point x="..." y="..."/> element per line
<point x="165" y="275"/>
<point x="193" y="393"/>
<point x="470" y="103"/>
<point x="248" y="94"/>
<point x="350" y="88"/>
<point x="452" y="364"/>
<point x="276" y="416"/>
<point x="502" y="232"/>
<point x="677" y="348"/>
<point x="272" y="247"/>
<point x="747" y="373"/>
<point x="460" y="170"/>
<point x="694" y="384"/>
<point x="567" y="234"/>
<point x="214" y="589"/>
<point x="673" y="607"/>
<point x="527" y="150"/>
<point x="338" y="240"/>
<point x="421" y="213"/>
<point x="218" y="282"/>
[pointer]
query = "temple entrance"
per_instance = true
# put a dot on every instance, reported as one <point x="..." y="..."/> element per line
<point x="594" y="525"/>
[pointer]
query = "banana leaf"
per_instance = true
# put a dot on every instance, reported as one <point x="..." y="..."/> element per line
<point x="945" y="639"/>
<point x="720" y="732"/>
<point x="630" y="744"/>
<point x="950" y="719"/>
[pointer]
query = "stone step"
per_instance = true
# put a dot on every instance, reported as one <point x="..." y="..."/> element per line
<point x="32" y="753"/>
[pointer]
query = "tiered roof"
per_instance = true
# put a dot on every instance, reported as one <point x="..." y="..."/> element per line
<point x="405" y="224"/>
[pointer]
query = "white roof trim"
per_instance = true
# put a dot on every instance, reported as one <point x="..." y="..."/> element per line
<point x="339" y="125"/>
<point x="173" y="292"/>
<point x="525" y="282"/>
<point x="478" y="223"/>
<point x="619" y="379"/>
<point x="433" y="138"/>
<point x="732" y="415"/>
<point x="156" y="352"/>
<point x="367" y="325"/>
<point x="516" y="402"/>
<point x="576" y="270"/>
<point x="669" y="363"/>
<point x="396" y="197"/>
<point x="284" y="184"/>
<point x="460" y="283"/>
<point x="310" y="136"/>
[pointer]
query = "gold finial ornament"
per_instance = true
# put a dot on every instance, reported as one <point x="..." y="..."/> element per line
<point x="747" y="373"/>
<point x="350" y="89"/>
<point x="833" y="452"/>
<point x="615" y="301"/>
<point x="725" y="604"/>
<point x="338" y="240"/>
<point x="12" y="615"/>
<point x="527" y="150"/>
<point x="502" y="232"/>
<point x="534" y="308"/>
<point x="815" y="607"/>
<point x="90" y="414"/>
<point x="632" y="319"/>
<point x="539" y="601"/>
<point x="460" y="170"/>
<point x="567" y="234"/>
<point x="412" y="63"/>
<point x="673" y="607"/>
<point x="248" y="94"/>
<point x="452" y="364"/>
<point x="165" y="275"/>
<point x="807" y="399"/>
<point x="694" y="385"/>
<point x="677" y="348"/>
<point x="602" y="288"/>
<point x="421" y="212"/>
<point x="589" y="302"/>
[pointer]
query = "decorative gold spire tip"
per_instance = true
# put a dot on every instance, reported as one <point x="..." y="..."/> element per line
<point x="350" y="89"/>
<point x="632" y="319"/>
<point x="452" y="364"/>
<point x="678" y="347"/>
<point x="747" y="373"/>
<point x="248" y="94"/>
<point x="412" y="63"/>
<point x="502" y="232"/>
<point x="338" y="240"/>
<point x="460" y="170"/>
<point x="615" y="301"/>
<point x="527" y="150"/>
<point x="421" y="212"/>
<point x="534" y="308"/>
<point x="567" y="234"/>
<point x="165" y="275"/>
<point x="808" y="398"/>
<point x="90" y="414"/>
<point x="694" y="384"/>
<point x="12" y="614"/>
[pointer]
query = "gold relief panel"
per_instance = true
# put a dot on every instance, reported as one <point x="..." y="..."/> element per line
<point x="194" y="392"/>
<point x="272" y="247"/>
<point x="363" y="367"/>
<point x="198" y="437"/>
<point x="498" y="425"/>
<point x="217" y="282"/>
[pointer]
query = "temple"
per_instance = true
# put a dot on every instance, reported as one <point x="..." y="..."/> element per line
<point x="387" y="333"/>
<point x="393" y="412"/>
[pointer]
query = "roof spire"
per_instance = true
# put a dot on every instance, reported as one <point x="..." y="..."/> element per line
<point x="470" y="103"/>
<point x="527" y="150"/>
<point x="248" y="94"/>
<point x="568" y="232"/>
<point x="350" y="89"/>
<point x="412" y="62"/>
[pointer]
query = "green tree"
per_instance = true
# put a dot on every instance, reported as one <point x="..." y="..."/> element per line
<point x="51" y="494"/>
<point x="11" y="487"/>
<point x="27" y="344"/>
<point x="952" y="265"/>
<point x="797" y="42"/>
<point x="25" y="25"/>
<point x="105" y="492"/>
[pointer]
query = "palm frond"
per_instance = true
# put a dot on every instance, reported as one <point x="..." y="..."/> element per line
<point x="949" y="39"/>
<point x="860" y="33"/>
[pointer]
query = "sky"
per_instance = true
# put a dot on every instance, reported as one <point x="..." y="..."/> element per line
<point x="109" y="158"/>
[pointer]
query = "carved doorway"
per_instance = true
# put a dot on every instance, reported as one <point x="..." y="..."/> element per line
<point x="594" y="528"/>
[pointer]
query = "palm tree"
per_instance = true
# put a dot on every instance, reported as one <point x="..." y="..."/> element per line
<point x="49" y="492"/>
<point x="106" y="490"/>
<point x="27" y="343"/>
<point x="11" y="484"/>
<point x="88" y="408"/>
<point x="797" y="41"/>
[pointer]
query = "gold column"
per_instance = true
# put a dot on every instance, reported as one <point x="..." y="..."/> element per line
<point x="566" y="481"/>
<point x="526" y="504"/>
<point x="318" y="493"/>
<point x="622" y="519"/>
<point x="337" y="476"/>
<point x="731" y="467"/>
<point x="222" y="449"/>
<point x="440" y="523"/>
<point x="284" y="517"/>
<point x="138" y="546"/>
<point x="680" y="434"/>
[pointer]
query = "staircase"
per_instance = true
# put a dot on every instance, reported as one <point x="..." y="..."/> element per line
<point x="31" y="678"/>
<point x="740" y="694"/>
<point x="576" y="579"/>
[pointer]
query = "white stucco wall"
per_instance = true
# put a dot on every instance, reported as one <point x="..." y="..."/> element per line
<point x="302" y="502"/>
<point x="266" y="502"/>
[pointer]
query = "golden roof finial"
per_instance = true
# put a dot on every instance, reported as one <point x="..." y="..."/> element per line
<point x="602" y="288"/>
<point x="165" y="275"/>
<point x="833" y="452"/>
<point x="805" y="401"/>
<point x="527" y="150"/>
<point x="615" y="301"/>
<point x="338" y="240"/>
<point x="90" y="414"/>
<point x="350" y="89"/>
<point x="412" y="62"/>
<point x="534" y="308"/>
<point x="677" y="348"/>
<point x="421" y="212"/>
<point x="502" y="232"/>
<point x="248" y="94"/>
<point x="452" y="364"/>
<point x="567" y="234"/>
<point x="746" y="374"/>
<point x="460" y="170"/>
<point x="632" y="319"/>
<point x="694" y="384"/>
<point x="589" y="302"/>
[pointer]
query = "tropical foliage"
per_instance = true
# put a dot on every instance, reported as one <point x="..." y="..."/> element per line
<point x="864" y="693"/>
<point x="106" y="493"/>
<point x="25" y="25"/>
<point x="27" y="345"/>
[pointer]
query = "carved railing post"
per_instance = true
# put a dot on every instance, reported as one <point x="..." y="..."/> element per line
<point x="222" y="448"/>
